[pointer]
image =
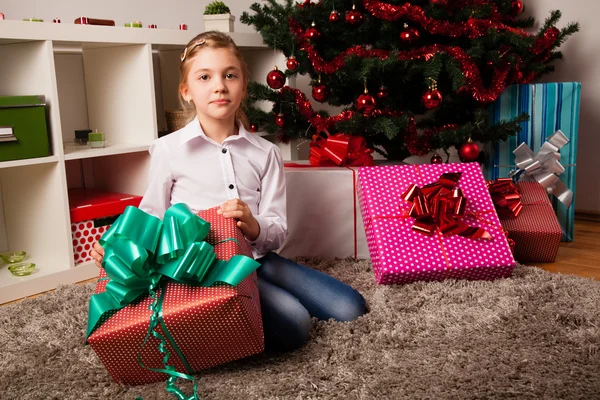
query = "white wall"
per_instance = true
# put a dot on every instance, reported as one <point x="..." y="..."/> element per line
<point x="581" y="55"/>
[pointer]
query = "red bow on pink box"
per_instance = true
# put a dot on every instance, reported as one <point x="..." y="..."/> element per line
<point x="440" y="205"/>
<point x="340" y="149"/>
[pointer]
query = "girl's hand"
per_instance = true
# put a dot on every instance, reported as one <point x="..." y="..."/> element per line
<point x="97" y="254"/>
<point x="246" y="222"/>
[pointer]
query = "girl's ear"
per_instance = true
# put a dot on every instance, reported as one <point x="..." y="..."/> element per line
<point x="183" y="90"/>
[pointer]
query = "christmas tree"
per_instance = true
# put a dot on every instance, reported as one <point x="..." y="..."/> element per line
<point x="410" y="76"/>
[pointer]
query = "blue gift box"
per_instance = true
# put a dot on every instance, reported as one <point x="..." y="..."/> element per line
<point x="551" y="106"/>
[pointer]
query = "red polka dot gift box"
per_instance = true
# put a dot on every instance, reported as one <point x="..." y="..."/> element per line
<point x="431" y="222"/>
<point x="202" y="326"/>
<point x="535" y="229"/>
<point x="92" y="212"/>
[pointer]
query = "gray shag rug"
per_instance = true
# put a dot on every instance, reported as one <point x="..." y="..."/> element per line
<point x="534" y="335"/>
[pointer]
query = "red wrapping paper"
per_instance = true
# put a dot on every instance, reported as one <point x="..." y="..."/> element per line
<point x="536" y="231"/>
<point x="211" y="325"/>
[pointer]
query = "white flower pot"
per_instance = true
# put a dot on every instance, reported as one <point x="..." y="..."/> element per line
<point x="219" y="22"/>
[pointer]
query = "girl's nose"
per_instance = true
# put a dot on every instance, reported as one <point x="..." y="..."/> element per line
<point x="219" y="85"/>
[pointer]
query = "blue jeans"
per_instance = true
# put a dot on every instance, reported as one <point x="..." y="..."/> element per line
<point x="290" y="294"/>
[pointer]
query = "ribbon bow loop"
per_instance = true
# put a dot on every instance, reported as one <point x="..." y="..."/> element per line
<point x="544" y="167"/>
<point x="340" y="149"/>
<point x="441" y="206"/>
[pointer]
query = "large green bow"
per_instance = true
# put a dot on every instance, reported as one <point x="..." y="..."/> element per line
<point x="140" y="250"/>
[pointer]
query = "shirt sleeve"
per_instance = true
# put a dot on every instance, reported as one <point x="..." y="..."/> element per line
<point x="272" y="213"/>
<point x="157" y="198"/>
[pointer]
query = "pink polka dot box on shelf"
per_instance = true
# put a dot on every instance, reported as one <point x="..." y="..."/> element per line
<point x="92" y="212"/>
<point x="422" y="232"/>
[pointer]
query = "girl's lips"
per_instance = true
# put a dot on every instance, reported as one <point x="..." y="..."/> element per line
<point x="221" y="102"/>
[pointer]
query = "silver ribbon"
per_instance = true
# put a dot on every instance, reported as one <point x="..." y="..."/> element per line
<point x="544" y="167"/>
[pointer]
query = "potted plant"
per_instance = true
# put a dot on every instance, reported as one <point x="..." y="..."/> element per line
<point x="217" y="17"/>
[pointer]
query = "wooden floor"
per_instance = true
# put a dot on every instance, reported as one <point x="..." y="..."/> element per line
<point x="582" y="256"/>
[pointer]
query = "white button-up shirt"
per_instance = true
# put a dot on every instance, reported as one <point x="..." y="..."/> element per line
<point x="188" y="167"/>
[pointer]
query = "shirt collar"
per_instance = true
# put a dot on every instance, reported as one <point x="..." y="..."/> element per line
<point x="193" y="130"/>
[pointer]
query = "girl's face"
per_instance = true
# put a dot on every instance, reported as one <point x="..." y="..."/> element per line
<point x="215" y="84"/>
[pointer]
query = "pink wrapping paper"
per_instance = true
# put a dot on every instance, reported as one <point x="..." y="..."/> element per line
<point x="401" y="255"/>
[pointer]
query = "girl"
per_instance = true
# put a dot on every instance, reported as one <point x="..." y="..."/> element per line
<point x="214" y="161"/>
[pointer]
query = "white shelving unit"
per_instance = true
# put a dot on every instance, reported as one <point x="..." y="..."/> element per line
<point x="116" y="80"/>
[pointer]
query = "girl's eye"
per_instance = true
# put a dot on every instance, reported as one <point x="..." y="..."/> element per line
<point x="203" y="77"/>
<point x="230" y="76"/>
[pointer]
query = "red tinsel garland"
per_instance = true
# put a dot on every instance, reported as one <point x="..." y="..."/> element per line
<point x="416" y="144"/>
<point x="474" y="84"/>
<point x="473" y="29"/>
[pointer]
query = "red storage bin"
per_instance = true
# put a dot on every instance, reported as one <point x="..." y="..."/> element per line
<point x="92" y="213"/>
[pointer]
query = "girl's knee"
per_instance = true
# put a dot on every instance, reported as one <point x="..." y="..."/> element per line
<point x="353" y="306"/>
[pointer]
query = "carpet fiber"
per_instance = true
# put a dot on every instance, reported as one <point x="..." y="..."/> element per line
<point x="534" y="335"/>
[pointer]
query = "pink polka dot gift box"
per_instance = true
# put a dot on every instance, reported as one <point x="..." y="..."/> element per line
<point x="431" y="222"/>
<point x="202" y="326"/>
<point x="92" y="211"/>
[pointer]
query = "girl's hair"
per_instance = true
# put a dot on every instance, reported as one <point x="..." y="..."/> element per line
<point x="215" y="40"/>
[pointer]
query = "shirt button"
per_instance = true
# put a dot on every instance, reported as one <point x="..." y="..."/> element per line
<point x="224" y="151"/>
<point x="231" y="186"/>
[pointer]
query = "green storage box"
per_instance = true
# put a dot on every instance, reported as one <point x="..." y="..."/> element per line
<point x="23" y="128"/>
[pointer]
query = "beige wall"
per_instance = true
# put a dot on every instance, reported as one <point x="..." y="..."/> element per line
<point x="581" y="53"/>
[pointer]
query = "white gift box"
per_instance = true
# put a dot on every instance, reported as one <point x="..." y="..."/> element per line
<point x="323" y="214"/>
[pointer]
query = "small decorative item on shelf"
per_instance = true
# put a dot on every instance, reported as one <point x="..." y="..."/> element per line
<point x="81" y="136"/>
<point x="56" y="20"/>
<point x="96" y="140"/>
<point x="136" y="24"/>
<point x="13" y="256"/>
<point x="217" y="17"/>
<point x="94" y="21"/>
<point x="182" y="27"/>
<point x="21" y="269"/>
<point x="153" y="26"/>
<point x="33" y="19"/>
<point x="1" y="16"/>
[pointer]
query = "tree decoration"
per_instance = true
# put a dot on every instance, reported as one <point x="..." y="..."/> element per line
<point x="291" y="63"/>
<point x="432" y="98"/>
<point x="320" y="92"/>
<point x="334" y="16"/>
<point x="280" y="120"/>
<point x="469" y="151"/>
<point x="409" y="35"/>
<point x="365" y="103"/>
<point x="354" y="17"/>
<point x="383" y="93"/>
<point x="436" y="159"/>
<point x="275" y="78"/>
<point x="253" y="128"/>
<point x="312" y="32"/>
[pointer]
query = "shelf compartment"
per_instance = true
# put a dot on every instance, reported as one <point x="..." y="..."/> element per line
<point x="36" y="218"/>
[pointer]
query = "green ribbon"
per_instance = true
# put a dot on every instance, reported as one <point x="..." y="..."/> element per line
<point x="142" y="252"/>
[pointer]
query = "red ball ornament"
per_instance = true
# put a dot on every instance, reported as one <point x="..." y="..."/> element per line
<point x="334" y="16"/>
<point x="516" y="7"/>
<point x="468" y="152"/>
<point x="291" y="63"/>
<point x="253" y="128"/>
<point x="354" y="17"/>
<point x="432" y="98"/>
<point x="436" y="159"/>
<point x="312" y="32"/>
<point x="275" y="79"/>
<point x="365" y="103"/>
<point x="280" y="120"/>
<point x="320" y="92"/>
<point x="383" y="93"/>
<point x="409" y="35"/>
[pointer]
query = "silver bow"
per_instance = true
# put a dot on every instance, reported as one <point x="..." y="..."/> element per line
<point x="544" y="167"/>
